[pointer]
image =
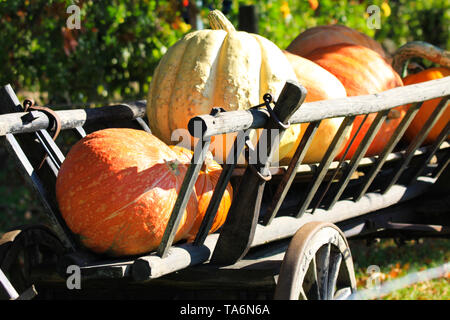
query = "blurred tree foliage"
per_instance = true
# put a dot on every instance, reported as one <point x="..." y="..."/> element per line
<point x="113" y="55"/>
<point x="400" y="20"/>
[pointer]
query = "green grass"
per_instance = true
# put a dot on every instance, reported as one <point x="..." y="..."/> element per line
<point x="397" y="261"/>
<point x="437" y="289"/>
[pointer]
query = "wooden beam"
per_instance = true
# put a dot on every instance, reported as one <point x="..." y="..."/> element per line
<point x="237" y="232"/>
<point x="184" y="255"/>
<point x="70" y="119"/>
<point x="241" y="120"/>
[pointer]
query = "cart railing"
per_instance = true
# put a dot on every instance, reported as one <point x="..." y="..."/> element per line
<point x="169" y="258"/>
<point x="241" y="121"/>
<point x="233" y="121"/>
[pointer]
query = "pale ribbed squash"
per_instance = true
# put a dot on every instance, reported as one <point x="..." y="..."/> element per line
<point x="221" y="67"/>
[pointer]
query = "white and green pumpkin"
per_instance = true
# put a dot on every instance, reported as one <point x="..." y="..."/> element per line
<point x="221" y="67"/>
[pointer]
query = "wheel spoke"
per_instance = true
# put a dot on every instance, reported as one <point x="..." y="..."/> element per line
<point x="335" y="265"/>
<point x="302" y="295"/>
<point x="323" y="263"/>
<point x="310" y="281"/>
<point x="343" y="294"/>
<point x="21" y="252"/>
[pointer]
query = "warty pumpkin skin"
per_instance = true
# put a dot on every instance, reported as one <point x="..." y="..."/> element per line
<point x="328" y="35"/>
<point x="116" y="190"/>
<point x="362" y="71"/>
<point x="204" y="188"/>
<point x="321" y="85"/>
<point x="428" y="106"/>
<point x="221" y="67"/>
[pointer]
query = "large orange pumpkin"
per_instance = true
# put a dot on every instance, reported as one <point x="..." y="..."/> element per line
<point x="321" y="85"/>
<point x="325" y="36"/>
<point x="362" y="71"/>
<point x="116" y="190"/>
<point x="428" y="106"/>
<point x="204" y="187"/>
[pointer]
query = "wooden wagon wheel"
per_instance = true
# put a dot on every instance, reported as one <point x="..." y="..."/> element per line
<point x="317" y="265"/>
<point x="26" y="249"/>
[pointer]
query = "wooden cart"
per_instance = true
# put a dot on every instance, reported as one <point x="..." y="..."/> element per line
<point x="285" y="234"/>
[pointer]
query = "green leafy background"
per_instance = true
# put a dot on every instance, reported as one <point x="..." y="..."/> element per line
<point x="115" y="52"/>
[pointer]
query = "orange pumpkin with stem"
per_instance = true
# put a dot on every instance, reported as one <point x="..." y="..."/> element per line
<point x="116" y="190"/>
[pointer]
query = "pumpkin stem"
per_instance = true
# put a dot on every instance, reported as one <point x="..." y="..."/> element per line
<point x="174" y="166"/>
<point x="218" y="21"/>
<point x="393" y="114"/>
<point x="208" y="161"/>
<point x="422" y="50"/>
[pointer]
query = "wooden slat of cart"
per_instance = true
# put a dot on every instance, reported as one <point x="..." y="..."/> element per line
<point x="289" y="175"/>
<point x="417" y="141"/>
<point x="187" y="187"/>
<point x="431" y="151"/>
<point x="220" y="187"/>
<point x="381" y="159"/>
<point x="235" y="121"/>
<point x="357" y="157"/>
<point x="71" y="119"/>
<point x="329" y="156"/>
